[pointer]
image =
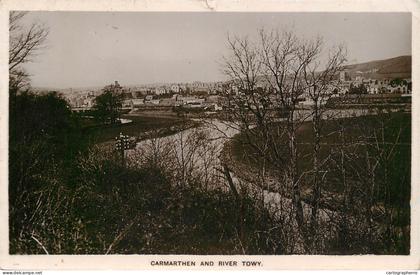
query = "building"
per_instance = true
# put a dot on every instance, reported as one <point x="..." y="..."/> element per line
<point x="194" y="103"/>
<point x="175" y="88"/>
<point x="160" y="91"/>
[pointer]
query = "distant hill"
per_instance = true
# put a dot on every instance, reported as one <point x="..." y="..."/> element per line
<point x="397" y="67"/>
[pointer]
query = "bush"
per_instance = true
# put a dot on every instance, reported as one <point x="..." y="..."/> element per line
<point x="110" y="208"/>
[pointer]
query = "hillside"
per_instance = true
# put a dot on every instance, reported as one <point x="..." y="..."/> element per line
<point x="397" y="67"/>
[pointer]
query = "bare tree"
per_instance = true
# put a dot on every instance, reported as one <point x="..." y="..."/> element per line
<point x="269" y="79"/>
<point x="286" y="58"/>
<point x="321" y="83"/>
<point x="24" y="42"/>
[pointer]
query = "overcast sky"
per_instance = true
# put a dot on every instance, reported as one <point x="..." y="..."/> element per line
<point x="95" y="48"/>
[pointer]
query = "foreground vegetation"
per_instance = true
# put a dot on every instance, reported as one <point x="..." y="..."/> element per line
<point x="67" y="196"/>
<point x="107" y="208"/>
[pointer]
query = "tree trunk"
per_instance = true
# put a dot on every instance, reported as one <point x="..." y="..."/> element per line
<point x="292" y="174"/>
<point x="316" y="196"/>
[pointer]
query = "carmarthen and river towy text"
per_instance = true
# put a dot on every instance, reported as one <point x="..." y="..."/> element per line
<point x="207" y="263"/>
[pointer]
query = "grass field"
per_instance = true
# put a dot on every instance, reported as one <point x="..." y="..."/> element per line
<point x="360" y="142"/>
<point x="141" y="124"/>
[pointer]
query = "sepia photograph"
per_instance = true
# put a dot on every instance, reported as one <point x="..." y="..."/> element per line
<point x="209" y="133"/>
